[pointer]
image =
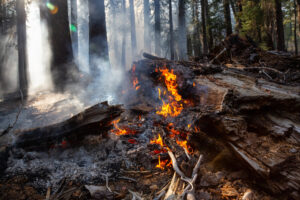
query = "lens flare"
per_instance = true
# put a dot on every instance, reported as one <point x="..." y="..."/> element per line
<point x="53" y="8"/>
<point x="73" y="28"/>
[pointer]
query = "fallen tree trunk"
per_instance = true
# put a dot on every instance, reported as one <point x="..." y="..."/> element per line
<point x="93" y="120"/>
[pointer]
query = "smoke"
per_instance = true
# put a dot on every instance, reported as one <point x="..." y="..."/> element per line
<point x="38" y="51"/>
<point x="9" y="62"/>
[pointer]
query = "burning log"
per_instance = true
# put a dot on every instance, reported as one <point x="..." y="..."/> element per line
<point x="250" y="113"/>
<point x="93" y="120"/>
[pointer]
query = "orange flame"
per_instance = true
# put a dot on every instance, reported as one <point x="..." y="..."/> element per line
<point x="158" y="141"/>
<point x="118" y="130"/>
<point x="184" y="145"/>
<point x="163" y="163"/>
<point x="173" y="108"/>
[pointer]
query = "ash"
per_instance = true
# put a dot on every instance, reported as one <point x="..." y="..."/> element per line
<point x="87" y="164"/>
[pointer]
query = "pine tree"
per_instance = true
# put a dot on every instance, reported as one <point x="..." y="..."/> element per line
<point x="133" y="31"/>
<point x="22" y="56"/>
<point x="182" y="37"/>
<point x="146" y="25"/>
<point x="98" y="34"/>
<point x="279" y="24"/>
<point x="227" y="17"/>
<point x="157" y="27"/>
<point x="203" y="14"/>
<point x="171" y="30"/>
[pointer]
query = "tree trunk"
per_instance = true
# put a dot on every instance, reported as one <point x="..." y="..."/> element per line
<point x="98" y="35"/>
<point x="22" y="54"/>
<point x="295" y="28"/>
<point x="157" y="27"/>
<point x="62" y="65"/>
<point x="203" y="14"/>
<point x="298" y="3"/>
<point x="279" y="24"/>
<point x="171" y="30"/>
<point x="133" y="31"/>
<point x="196" y="35"/>
<point x="182" y="37"/>
<point x="227" y="17"/>
<point x="147" y="43"/>
<point x="123" y="59"/>
<point x="238" y="21"/>
<point x="74" y="28"/>
<point x="1" y="18"/>
<point x="233" y="8"/>
<point x="208" y="20"/>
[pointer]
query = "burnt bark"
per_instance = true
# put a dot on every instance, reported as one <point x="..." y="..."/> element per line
<point x="92" y="121"/>
<point x="227" y="17"/>
<point x="157" y="28"/>
<point x="133" y="31"/>
<point x="203" y="16"/>
<point x="147" y="43"/>
<point x="182" y="37"/>
<point x="279" y="24"/>
<point x="63" y="67"/>
<point x="22" y="53"/>
<point x="171" y="30"/>
<point x="98" y="35"/>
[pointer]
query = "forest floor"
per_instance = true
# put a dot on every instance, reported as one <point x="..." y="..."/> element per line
<point x="231" y="124"/>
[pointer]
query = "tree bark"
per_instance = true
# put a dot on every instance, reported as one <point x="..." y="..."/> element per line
<point x="182" y="37"/>
<point x="133" y="31"/>
<point x="298" y="7"/>
<point x="210" y="35"/>
<point x="227" y="17"/>
<point x="62" y="65"/>
<point x="98" y="35"/>
<point x="123" y="59"/>
<point x="22" y="54"/>
<point x="171" y="30"/>
<point x="203" y="14"/>
<point x="147" y="42"/>
<point x="279" y="24"/>
<point x="295" y="28"/>
<point x="196" y="35"/>
<point x="240" y="10"/>
<point x="74" y="28"/>
<point x="157" y="27"/>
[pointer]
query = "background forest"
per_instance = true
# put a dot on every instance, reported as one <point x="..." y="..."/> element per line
<point x="48" y="44"/>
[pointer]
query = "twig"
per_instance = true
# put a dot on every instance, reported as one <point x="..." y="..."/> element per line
<point x="160" y="195"/>
<point x="106" y="182"/>
<point x="175" y="165"/>
<point x="127" y="178"/>
<point x="135" y="195"/>
<point x="210" y="62"/>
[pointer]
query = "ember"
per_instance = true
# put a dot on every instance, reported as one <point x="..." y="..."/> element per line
<point x="121" y="131"/>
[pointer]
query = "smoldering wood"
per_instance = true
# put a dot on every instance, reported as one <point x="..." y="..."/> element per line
<point x="244" y="109"/>
<point x="93" y="120"/>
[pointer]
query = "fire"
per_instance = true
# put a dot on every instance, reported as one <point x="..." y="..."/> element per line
<point x="158" y="141"/>
<point x="184" y="145"/>
<point x="171" y="84"/>
<point x="121" y="131"/>
<point x="174" y="107"/>
<point x="135" y="81"/>
<point x="163" y="163"/>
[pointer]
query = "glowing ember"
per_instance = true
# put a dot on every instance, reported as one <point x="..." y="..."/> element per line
<point x="163" y="163"/>
<point x="135" y="81"/>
